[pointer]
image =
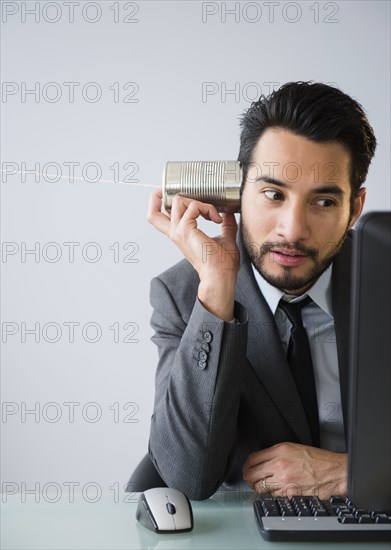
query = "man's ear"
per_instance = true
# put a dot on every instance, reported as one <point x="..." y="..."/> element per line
<point x="358" y="205"/>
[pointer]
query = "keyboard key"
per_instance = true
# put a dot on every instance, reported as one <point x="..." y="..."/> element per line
<point x="304" y="512"/>
<point x="270" y="508"/>
<point x="337" y="500"/>
<point x="272" y="513"/>
<point x="288" y="512"/>
<point x="343" y="510"/>
<point x="365" y="518"/>
<point x="317" y="507"/>
<point x="320" y="513"/>
<point x="348" y="518"/>
<point x="381" y="518"/>
<point x="283" y="501"/>
<point x="300" y="505"/>
<point x="361" y="511"/>
<point x="266" y="498"/>
<point x="285" y="506"/>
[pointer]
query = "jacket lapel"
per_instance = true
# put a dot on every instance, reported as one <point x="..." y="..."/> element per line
<point x="265" y="352"/>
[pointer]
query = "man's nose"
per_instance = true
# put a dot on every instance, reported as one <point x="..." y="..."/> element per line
<point x="293" y="222"/>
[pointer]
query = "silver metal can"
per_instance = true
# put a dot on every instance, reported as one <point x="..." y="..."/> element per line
<point x="215" y="182"/>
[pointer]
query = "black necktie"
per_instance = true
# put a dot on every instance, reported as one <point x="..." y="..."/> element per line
<point x="300" y="362"/>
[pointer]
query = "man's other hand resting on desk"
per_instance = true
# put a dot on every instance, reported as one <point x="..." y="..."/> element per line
<point x="288" y="469"/>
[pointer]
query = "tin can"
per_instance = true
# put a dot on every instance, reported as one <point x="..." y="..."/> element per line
<point x="214" y="182"/>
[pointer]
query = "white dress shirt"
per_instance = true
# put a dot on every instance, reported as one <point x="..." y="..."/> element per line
<point x="319" y="323"/>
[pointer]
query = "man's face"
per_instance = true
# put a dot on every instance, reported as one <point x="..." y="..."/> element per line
<point x="296" y="208"/>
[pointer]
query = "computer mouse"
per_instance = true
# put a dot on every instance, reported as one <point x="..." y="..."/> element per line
<point x="165" y="510"/>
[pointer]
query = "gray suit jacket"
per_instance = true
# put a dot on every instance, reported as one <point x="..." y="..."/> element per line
<point x="206" y="421"/>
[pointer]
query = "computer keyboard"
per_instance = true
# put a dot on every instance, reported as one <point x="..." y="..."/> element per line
<point x="307" y="518"/>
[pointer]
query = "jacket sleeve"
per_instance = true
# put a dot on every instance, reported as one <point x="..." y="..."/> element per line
<point x="193" y="426"/>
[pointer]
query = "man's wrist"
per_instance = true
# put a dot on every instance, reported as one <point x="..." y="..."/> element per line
<point x="218" y="299"/>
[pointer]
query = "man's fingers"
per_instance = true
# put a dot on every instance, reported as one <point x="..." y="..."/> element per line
<point x="155" y="216"/>
<point x="178" y="208"/>
<point x="208" y="211"/>
<point x="155" y="199"/>
<point x="229" y="226"/>
<point x="259" y="466"/>
<point x="266" y="486"/>
<point x="259" y="457"/>
<point x="257" y="472"/>
<point x="257" y="475"/>
<point x="187" y="210"/>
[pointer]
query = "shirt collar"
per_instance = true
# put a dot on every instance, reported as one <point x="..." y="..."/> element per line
<point x="320" y="292"/>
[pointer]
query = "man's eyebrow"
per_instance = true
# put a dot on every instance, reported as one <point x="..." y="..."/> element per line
<point x="329" y="189"/>
<point x="267" y="179"/>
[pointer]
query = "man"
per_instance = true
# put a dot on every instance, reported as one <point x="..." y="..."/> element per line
<point x="229" y="408"/>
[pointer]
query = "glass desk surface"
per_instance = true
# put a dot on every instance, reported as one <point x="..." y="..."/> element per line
<point x="224" y="521"/>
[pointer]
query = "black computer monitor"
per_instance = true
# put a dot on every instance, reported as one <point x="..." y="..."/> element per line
<point x="369" y="437"/>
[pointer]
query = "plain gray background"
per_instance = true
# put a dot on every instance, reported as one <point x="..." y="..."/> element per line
<point x="173" y="79"/>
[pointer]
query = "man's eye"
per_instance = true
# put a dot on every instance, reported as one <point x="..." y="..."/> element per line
<point x="325" y="203"/>
<point x="273" y="195"/>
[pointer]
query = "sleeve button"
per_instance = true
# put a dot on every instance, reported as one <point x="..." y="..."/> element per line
<point x="201" y="364"/>
<point x="205" y="346"/>
<point x="207" y="336"/>
<point x="202" y="355"/>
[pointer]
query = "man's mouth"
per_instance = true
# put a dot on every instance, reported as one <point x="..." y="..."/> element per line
<point x="287" y="257"/>
<point x="286" y="252"/>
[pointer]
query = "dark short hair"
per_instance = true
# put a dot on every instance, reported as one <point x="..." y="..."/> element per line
<point x="317" y="112"/>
